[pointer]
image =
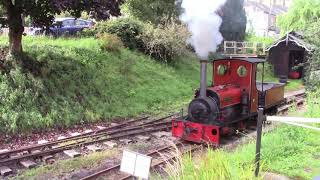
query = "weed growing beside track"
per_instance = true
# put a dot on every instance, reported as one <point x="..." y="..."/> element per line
<point x="214" y="165"/>
<point x="67" y="166"/>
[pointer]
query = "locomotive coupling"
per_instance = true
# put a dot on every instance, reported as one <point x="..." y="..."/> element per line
<point x="190" y="130"/>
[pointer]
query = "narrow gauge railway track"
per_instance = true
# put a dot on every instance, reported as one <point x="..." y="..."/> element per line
<point x="83" y="135"/>
<point x="295" y="99"/>
<point x="126" y="129"/>
<point x="157" y="159"/>
<point x="162" y="161"/>
<point x="112" y="133"/>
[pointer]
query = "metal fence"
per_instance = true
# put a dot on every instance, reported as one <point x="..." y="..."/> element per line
<point x="233" y="48"/>
<point x="5" y="31"/>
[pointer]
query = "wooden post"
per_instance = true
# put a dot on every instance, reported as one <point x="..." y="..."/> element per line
<point x="255" y="48"/>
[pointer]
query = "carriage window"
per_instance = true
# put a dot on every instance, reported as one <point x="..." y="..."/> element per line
<point x="68" y="23"/>
<point x="242" y="71"/>
<point x="81" y="23"/>
<point x="222" y="69"/>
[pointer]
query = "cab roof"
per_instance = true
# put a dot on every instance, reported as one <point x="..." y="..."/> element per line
<point x="250" y="60"/>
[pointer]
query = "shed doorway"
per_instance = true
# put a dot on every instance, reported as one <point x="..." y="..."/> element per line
<point x="296" y="58"/>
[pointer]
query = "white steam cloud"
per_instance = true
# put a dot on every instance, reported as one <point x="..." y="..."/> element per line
<point x="204" y="24"/>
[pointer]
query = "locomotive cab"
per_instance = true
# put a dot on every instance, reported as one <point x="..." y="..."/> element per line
<point x="228" y="103"/>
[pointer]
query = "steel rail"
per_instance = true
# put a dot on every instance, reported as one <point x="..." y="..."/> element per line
<point x="38" y="146"/>
<point x="104" y="171"/>
<point x="84" y="143"/>
<point x="86" y="135"/>
<point x="294" y="100"/>
<point x="164" y="161"/>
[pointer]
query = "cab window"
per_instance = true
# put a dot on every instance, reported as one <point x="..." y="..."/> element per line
<point x="222" y="70"/>
<point x="242" y="71"/>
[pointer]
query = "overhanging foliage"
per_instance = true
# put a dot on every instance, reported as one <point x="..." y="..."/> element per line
<point x="299" y="16"/>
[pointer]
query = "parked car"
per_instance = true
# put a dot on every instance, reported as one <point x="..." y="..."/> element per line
<point x="64" y="26"/>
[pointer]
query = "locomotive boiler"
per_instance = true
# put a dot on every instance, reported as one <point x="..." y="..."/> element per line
<point x="229" y="103"/>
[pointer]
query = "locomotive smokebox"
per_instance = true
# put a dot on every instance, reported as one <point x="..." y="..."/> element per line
<point x="203" y="80"/>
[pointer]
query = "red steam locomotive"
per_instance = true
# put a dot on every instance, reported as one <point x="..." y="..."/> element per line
<point x="231" y="101"/>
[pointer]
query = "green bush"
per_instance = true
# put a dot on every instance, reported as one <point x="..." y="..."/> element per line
<point x="110" y="42"/>
<point x="251" y="37"/>
<point x="312" y="67"/>
<point x="87" y="32"/>
<point x="267" y="72"/>
<point x="128" y="29"/>
<point x="313" y="106"/>
<point x="165" y="42"/>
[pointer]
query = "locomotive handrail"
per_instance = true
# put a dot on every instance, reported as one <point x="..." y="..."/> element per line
<point x="252" y="49"/>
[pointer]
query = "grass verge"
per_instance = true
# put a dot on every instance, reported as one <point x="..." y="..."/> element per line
<point x="213" y="165"/>
<point x="77" y="82"/>
<point x="294" y="85"/>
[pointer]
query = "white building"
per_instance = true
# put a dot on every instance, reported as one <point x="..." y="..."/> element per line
<point x="262" y="15"/>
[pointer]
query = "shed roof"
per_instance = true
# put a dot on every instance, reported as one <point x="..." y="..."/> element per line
<point x="295" y="37"/>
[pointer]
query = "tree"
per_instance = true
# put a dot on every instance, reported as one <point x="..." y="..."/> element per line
<point x="312" y="67"/>
<point x="152" y="10"/>
<point x="42" y="13"/>
<point x="234" y="21"/>
<point x="300" y="15"/>
<point x="3" y="20"/>
<point x="2" y="12"/>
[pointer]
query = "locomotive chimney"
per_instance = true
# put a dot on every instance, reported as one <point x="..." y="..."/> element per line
<point x="203" y="80"/>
